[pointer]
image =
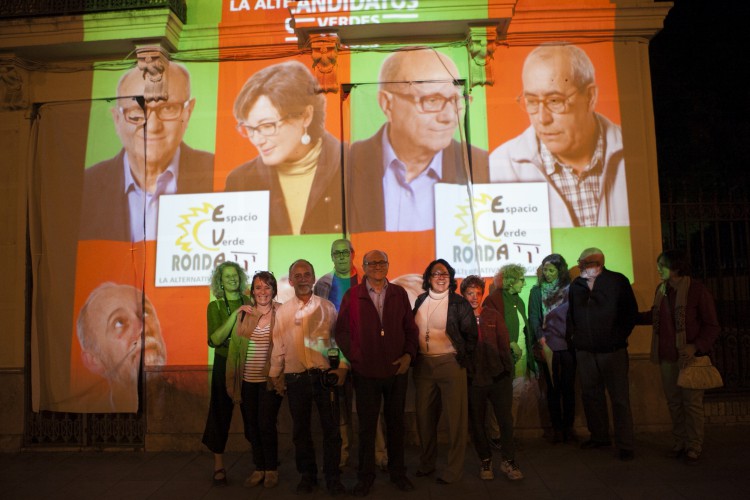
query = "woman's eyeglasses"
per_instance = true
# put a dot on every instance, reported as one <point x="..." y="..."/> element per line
<point x="266" y="129"/>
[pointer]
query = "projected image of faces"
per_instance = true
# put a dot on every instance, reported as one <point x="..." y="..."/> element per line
<point x="280" y="111"/>
<point x="576" y="150"/>
<point x="109" y="332"/>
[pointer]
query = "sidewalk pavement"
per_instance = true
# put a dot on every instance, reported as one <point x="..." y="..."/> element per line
<point x="551" y="471"/>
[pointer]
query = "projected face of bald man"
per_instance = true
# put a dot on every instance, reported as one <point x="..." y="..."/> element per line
<point x="112" y="328"/>
<point x="423" y="114"/>
<point x="164" y="128"/>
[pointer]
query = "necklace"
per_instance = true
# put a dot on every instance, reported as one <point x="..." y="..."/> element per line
<point x="429" y="316"/>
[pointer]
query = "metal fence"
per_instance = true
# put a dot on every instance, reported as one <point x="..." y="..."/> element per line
<point x="714" y="229"/>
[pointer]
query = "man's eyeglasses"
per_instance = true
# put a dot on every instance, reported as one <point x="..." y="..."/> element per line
<point x="340" y="253"/>
<point x="431" y="103"/>
<point x="167" y="112"/>
<point x="377" y="263"/>
<point x="557" y="104"/>
<point x="439" y="274"/>
<point x="266" y="129"/>
<point x="583" y="264"/>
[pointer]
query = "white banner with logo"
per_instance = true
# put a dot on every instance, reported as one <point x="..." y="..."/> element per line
<point x="501" y="224"/>
<point x="197" y="232"/>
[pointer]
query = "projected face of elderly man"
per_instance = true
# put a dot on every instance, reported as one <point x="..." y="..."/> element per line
<point x="423" y="111"/>
<point x="559" y="95"/>
<point x="109" y="330"/>
<point x="167" y="123"/>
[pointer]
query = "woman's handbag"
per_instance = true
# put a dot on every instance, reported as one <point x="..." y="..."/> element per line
<point x="699" y="374"/>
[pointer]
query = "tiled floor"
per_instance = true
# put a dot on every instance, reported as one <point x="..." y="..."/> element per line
<point x="559" y="471"/>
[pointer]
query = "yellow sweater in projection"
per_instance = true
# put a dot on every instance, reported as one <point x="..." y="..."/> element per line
<point x="296" y="179"/>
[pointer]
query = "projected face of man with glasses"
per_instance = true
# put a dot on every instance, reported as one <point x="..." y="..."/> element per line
<point x="559" y="95"/>
<point x="422" y="105"/>
<point x="163" y="125"/>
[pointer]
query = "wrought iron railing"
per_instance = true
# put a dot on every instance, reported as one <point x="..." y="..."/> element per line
<point x="37" y="8"/>
<point x="713" y="226"/>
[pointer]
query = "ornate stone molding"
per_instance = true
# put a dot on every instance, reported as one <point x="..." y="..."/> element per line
<point x="153" y="61"/>
<point x="482" y="44"/>
<point x="12" y="94"/>
<point x="325" y="52"/>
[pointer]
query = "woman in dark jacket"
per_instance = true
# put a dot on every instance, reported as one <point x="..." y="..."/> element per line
<point x="685" y="326"/>
<point x="491" y="378"/>
<point x="447" y="337"/>
<point x="548" y="309"/>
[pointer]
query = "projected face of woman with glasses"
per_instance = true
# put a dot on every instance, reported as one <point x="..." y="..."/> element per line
<point x="277" y="136"/>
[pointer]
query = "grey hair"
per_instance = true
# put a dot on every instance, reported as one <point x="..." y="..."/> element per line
<point x="580" y="64"/>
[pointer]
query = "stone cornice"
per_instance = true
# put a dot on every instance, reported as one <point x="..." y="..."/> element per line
<point x="590" y="23"/>
<point x="114" y="35"/>
<point x="92" y="36"/>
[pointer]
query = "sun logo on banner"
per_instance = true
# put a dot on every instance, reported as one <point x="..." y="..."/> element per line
<point x="191" y="226"/>
<point x="481" y="224"/>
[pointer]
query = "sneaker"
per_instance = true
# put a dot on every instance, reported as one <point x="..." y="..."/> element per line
<point x="255" y="478"/>
<point x="692" y="457"/>
<point x="485" y="471"/>
<point x="272" y="479"/>
<point x="511" y="470"/>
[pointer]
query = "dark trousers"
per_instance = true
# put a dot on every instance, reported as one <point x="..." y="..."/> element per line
<point x="561" y="389"/>
<point x="500" y="394"/>
<point x="219" y="409"/>
<point x="606" y="371"/>
<point x="302" y="390"/>
<point x="260" y="409"/>
<point x="370" y="392"/>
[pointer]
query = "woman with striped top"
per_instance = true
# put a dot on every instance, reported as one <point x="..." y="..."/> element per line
<point x="247" y="378"/>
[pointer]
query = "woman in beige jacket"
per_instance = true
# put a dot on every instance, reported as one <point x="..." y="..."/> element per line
<point x="247" y="378"/>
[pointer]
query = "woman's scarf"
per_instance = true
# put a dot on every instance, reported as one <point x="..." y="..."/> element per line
<point x="683" y="285"/>
<point x="552" y="296"/>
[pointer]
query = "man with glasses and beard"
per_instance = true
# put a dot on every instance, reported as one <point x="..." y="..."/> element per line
<point x="395" y="171"/>
<point x="153" y="161"/>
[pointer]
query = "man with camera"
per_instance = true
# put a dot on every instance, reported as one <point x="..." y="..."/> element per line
<point x="377" y="333"/>
<point x="303" y="362"/>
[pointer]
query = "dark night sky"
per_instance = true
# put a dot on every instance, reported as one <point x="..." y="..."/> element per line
<point x="700" y="70"/>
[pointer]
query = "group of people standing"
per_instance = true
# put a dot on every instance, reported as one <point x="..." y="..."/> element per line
<point x="465" y="351"/>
